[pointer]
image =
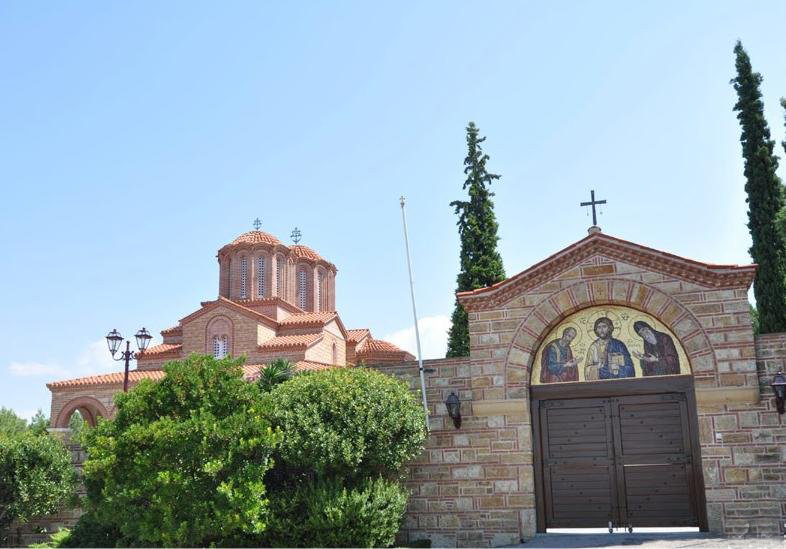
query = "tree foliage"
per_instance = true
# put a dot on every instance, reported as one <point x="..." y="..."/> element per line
<point x="184" y="460"/>
<point x="278" y="371"/>
<point x="36" y="476"/>
<point x="10" y="423"/>
<point x="765" y="197"/>
<point x="328" y="513"/>
<point x="480" y="262"/>
<point x="346" y="422"/>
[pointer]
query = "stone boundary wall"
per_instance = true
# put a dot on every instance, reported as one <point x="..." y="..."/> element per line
<point x="472" y="486"/>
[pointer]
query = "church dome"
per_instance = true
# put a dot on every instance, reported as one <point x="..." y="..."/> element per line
<point x="304" y="252"/>
<point x="256" y="237"/>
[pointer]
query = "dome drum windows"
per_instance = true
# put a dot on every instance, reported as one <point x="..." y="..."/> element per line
<point x="261" y="278"/>
<point x="243" y="277"/>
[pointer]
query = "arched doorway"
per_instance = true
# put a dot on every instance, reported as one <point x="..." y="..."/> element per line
<point x="89" y="408"/>
<point x="615" y="429"/>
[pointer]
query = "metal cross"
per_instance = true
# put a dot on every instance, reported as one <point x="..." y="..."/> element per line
<point x="257" y="224"/>
<point x="592" y="203"/>
<point x="296" y="234"/>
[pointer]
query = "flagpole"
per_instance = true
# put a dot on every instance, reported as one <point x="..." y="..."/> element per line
<point x="415" y="314"/>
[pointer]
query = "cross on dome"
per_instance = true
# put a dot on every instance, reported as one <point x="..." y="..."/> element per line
<point x="257" y="224"/>
<point x="295" y="236"/>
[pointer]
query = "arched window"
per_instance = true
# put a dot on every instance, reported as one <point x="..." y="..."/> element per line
<point x="301" y="288"/>
<point x="220" y="346"/>
<point x="261" y="277"/>
<point x="320" y="306"/>
<point x="335" y="354"/>
<point x="280" y="276"/>
<point x="243" y="277"/>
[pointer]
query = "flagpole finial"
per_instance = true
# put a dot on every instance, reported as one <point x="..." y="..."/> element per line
<point x="402" y="200"/>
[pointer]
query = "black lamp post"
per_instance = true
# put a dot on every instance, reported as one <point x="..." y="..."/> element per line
<point x="779" y="388"/>
<point x="114" y="339"/>
<point x="453" y="404"/>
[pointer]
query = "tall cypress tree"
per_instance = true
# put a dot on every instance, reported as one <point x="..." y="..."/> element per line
<point x="765" y="197"/>
<point x="481" y="264"/>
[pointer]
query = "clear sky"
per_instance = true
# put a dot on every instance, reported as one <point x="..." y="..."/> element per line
<point x="137" y="138"/>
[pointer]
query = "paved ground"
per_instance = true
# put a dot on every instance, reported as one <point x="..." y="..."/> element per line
<point x="686" y="540"/>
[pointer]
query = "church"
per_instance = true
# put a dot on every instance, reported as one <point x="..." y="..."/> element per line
<point x="609" y="385"/>
<point x="274" y="301"/>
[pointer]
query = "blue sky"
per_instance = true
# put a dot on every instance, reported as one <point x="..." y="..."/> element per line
<point x="138" y="138"/>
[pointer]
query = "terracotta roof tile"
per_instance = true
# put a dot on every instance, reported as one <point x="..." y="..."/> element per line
<point x="301" y="319"/>
<point x="304" y="252"/>
<point x="251" y="371"/>
<point x="162" y="349"/>
<point x="174" y="330"/>
<point x="107" y="379"/>
<point x="290" y="342"/>
<point x="353" y="336"/>
<point x="383" y="351"/>
<point x="255" y="237"/>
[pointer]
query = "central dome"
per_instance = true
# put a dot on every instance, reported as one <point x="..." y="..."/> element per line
<point x="256" y="237"/>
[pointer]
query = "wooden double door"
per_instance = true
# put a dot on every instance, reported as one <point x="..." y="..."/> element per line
<point x="617" y="459"/>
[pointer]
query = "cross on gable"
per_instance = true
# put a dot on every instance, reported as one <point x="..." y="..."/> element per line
<point x="592" y="203"/>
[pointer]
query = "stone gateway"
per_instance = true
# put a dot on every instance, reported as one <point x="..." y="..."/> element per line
<point x="610" y="384"/>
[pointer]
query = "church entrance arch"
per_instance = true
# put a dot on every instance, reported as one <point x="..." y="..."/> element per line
<point x="90" y="409"/>
<point x="615" y="429"/>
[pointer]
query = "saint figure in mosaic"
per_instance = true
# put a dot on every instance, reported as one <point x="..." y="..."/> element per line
<point x="607" y="357"/>
<point x="557" y="362"/>
<point x="660" y="355"/>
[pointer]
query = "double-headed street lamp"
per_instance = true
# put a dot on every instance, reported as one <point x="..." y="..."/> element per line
<point x="114" y="339"/>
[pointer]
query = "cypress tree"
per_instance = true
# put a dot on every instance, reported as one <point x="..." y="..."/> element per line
<point x="765" y="197"/>
<point x="481" y="264"/>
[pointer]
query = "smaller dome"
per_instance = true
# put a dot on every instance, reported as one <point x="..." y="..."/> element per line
<point x="304" y="252"/>
<point x="256" y="237"/>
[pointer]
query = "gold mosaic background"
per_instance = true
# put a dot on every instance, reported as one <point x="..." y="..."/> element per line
<point x="623" y="318"/>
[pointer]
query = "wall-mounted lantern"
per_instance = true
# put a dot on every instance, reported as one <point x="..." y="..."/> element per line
<point x="779" y="388"/>
<point x="453" y="404"/>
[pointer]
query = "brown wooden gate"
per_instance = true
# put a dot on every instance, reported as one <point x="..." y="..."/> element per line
<point x="605" y="457"/>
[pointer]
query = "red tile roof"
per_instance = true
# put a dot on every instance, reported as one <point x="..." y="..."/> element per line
<point x="255" y="237"/>
<point x="174" y="330"/>
<point x="115" y="378"/>
<point x="162" y="349"/>
<point x="222" y="301"/>
<point x="304" y="252"/>
<point x="306" y="319"/>
<point x="290" y="342"/>
<point x="354" y="336"/>
<point x="275" y="300"/>
<point x="377" y="350"/>
<point x="251" y="371"/>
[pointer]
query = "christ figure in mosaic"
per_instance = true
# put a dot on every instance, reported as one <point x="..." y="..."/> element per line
<point x="660" y="355"/>
<point x="607" y="357"/>
<point x="557" y="362"/>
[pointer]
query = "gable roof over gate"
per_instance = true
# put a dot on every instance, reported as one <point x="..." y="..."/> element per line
<point x="704" y="274"/>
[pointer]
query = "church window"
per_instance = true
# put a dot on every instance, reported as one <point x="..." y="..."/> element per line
<point x="220" y="346"/>
<point x="335" y="354"/>
<point x="261" y="277"/>
<point x="243" y="277"/>
<point x="320" y="292"/>
<point x="301" y="289"/>
<point x="280" y="276"/>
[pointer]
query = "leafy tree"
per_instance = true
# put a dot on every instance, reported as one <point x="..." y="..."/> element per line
<point x="328" y="513"/>
<point x="36" y="477"/>
<point x="346" y="422"/>
<point x="347" y="434"/>
<point x="481" y="264"/>
<point x="183" y="462"/>
<point x="40" y="423"/>
<point x="765" y="197"/>
<point x="10" y="423"/>
<point x="278" y="371"/>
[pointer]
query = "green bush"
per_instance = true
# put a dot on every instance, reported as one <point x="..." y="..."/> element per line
<point x="36" y="477"/>
<point x="346" y="422"/>
<point x="328" y="514"/>
<point x="183" y="462"/>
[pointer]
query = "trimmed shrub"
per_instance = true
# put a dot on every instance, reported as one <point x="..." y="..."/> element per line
<point x="346" y="422"/>
<point x="328" y="514"/>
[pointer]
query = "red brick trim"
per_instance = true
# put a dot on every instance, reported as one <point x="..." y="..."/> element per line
<point x="91" y="406"/>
